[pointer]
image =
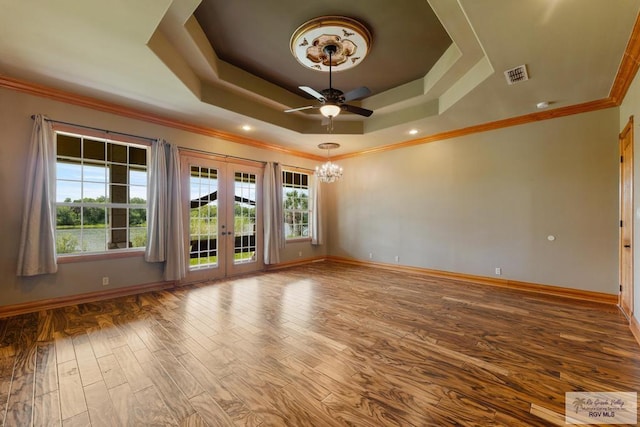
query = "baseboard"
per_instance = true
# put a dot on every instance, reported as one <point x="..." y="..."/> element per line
<point x="293" y="263"/>
<point x="634" y="325"/>
<point x="30" y="307"/>
<point x="558" y="291"/>
<point x="33" y="306"/>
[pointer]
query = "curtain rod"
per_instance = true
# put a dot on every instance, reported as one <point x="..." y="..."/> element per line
<point x="97" y="129"/>
<point x="227" y="156"/>
<point x="298" y="167"/>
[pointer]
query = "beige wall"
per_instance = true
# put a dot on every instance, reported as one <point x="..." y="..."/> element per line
<point x="465" y="205"/>
<point x="83" y="277"/>
<point x="631" y="107"/>
<point x="474" y="203"/>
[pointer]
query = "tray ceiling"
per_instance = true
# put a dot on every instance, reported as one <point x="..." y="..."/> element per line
<point x="434" y="66"/>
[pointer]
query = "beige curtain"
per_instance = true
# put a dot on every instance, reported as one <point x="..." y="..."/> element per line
<point x="37" y="251"/>
<point x="317" y="232"/>
<point x="176" y="264"/>
<point x="156" y="217"/>
<point x="273" y="216"/>
<point x="165" y="235"/>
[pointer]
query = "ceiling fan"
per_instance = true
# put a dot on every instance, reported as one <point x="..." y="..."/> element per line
<point x="333" y="101"/>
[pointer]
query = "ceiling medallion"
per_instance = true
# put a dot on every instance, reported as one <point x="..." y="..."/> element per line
<point x="350" y="37"/>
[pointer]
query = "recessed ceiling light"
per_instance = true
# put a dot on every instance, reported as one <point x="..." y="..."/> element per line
<point x="246" y="127"/>
<point x="413" y="131"/>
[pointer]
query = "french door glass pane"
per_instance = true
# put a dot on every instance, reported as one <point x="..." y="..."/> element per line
<point x="244" y="218"/>
<point x="203" y="218"/>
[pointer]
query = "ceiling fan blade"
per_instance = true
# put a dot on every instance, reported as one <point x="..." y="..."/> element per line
<point x="299" y="109"/>
<point x="356" y="110"/>
<point x="313" y="93"/>
<point x="358" y="93"/>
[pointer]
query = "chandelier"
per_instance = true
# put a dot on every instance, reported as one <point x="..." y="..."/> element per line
<point x="328" y="172"/>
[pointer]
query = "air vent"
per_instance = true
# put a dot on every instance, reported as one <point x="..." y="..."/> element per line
<point x="517" y="74"/>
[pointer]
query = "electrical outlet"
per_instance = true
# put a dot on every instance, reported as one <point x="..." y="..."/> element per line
<point x="397" y="258"/>
<point x="498" y="271"/>
<point x="300" y="253"/>
<point x="105" y="281"/>
<point x="370" y="255"/>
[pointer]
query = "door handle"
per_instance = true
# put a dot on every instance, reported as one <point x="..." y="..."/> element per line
<point x="627" y="246"/>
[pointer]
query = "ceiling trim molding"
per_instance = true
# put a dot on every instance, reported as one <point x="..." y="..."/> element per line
<point x="108" y="107"/>
<point x="627" y="70"/>
<point x="484" y="127"/>
<point x="628" y="66"/>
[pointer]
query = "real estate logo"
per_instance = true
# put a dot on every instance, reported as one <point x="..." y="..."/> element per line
<point x="607" y="407"/>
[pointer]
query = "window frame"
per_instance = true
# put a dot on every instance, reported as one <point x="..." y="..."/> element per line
<point x="109" y="183"/>
<point x="309" y="209"/>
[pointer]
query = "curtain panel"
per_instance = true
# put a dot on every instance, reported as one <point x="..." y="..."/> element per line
<point x="317" y="233"/>
<point x="156" y="218"/>
<point x="176" y="264"/>
<point x="165" y="234"/>
<point x="37" y="251"/>
<point x="273" y="219"/>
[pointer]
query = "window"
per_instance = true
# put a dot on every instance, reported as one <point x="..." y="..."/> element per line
<point x="101" y="195"/>
<point x="296" y="206"/>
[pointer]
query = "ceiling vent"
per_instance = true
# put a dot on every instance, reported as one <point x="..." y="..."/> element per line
<point x="517" y="74"/>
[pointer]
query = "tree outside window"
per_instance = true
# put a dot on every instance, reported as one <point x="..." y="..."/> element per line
<point x="101" y="195"/>
<point x="296" y="207"/>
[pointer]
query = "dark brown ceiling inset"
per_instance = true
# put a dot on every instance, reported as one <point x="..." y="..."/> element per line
<point x="156" y="63"/>
<point x="254" y="35"/>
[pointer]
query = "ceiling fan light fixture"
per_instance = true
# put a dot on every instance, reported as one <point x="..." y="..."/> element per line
<point x="325" y="42"/>
<point x="330" y="110"/>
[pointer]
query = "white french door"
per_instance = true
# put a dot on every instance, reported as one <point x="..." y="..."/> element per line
<point x="223" y="218"/>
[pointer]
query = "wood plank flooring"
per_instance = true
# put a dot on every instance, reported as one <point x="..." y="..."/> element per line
<point x="324" y="344"/>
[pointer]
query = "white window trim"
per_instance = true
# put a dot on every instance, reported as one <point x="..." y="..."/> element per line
<point x="107" y="253"/>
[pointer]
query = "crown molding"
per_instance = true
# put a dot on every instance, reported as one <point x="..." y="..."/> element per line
<point x="624" y="77"/>
<point x="132" y="113"/>
<point x="626" y="73"/>
<point x="628" y="66"/>
<point x="498" y="124"/>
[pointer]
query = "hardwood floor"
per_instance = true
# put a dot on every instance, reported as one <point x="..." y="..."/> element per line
<point x="324" y="344"/>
